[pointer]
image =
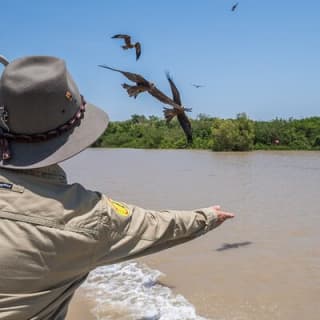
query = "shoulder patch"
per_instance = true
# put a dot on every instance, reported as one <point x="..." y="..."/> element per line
<point x="119" y="207"/>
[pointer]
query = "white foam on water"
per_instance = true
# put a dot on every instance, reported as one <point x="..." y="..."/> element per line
<point x="129" y="290"/>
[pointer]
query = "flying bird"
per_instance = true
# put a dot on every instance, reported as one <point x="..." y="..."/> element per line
<point x="128" y="44"/>
<point x="142" y="85"/>
<point x="198" y="85"/>
<point x="179" y="112"/>
<point x="234" y="7"/>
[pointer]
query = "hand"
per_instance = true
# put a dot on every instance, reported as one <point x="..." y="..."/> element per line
<point x="222" y="215"/>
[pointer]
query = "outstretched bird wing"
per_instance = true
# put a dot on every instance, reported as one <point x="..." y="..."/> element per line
<point x="174" y="90"/>
<point x="138" y="50"/>
<point x="181" y="115"/>
<point x="155" y="92"/>
<point x="186" y="125"/>
<point x="137" y="78"/>
<point x="125" y="37"/>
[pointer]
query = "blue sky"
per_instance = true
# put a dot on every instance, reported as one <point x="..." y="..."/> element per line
<point x="263" y="59"/>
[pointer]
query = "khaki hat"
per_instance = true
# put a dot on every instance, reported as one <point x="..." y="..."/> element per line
<point x="43" y="118"/>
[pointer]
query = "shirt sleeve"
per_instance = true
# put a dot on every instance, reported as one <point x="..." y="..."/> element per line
<point x="128" y="231"/>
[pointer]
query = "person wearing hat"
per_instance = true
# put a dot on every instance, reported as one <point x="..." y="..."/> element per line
<point x="52" y="234"/>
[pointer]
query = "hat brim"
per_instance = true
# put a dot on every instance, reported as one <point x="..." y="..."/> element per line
<point x="30" y="155"/>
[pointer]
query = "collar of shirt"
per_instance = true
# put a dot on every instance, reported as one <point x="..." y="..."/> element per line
<point x="54" y="173"/>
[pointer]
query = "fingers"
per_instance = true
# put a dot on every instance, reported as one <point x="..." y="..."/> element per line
<point x="228" y="215"/>
<point x="222" y="215"/>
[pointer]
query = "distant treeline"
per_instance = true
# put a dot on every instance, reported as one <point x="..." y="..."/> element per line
<point x="239" y="134"/>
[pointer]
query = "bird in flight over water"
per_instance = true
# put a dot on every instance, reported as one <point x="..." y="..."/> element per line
<point x="142" y="85"/>
<point x="128" y="44"/>
<point x="234" y="7"/>
<point x="179" y="112"/>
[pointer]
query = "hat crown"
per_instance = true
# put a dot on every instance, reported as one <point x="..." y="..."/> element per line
<point x="38" y="95"/>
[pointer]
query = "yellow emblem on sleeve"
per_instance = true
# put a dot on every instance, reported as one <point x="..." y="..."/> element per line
<point x="119" y="208"/>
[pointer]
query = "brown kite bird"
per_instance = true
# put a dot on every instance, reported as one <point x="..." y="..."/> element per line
<point x="128" y="44"/>
<point x="143" y="85"/>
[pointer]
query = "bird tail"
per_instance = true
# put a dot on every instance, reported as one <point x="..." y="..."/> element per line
<point x="169" y="114"/>
<point x="131" y="90"/>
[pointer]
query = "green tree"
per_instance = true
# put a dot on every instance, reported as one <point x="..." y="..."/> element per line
<point x="233" y="135"/>
<point x="213" y="133"/>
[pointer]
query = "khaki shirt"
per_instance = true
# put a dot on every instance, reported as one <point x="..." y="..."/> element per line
<point x="52" y="234"/>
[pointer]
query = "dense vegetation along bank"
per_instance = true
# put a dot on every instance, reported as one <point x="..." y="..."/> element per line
<point x="239" y="134"/>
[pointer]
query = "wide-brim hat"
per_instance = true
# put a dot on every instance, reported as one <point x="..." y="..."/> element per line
<point x="43" y="118"/>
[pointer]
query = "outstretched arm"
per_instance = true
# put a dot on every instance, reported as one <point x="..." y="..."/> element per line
<point x="129" y="231"/>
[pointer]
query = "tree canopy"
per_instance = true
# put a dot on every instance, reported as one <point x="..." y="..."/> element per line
<point x="239" y="134"/>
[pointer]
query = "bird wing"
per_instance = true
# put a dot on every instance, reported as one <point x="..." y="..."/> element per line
<point x="131" y="76"/>
<point x="181" y="115"/>
<point x="127" y="38"/>
<point x="185" y="125"/>
<point x="155" y="92"/>
<point x="183" y="120"/>
<point x="174" y="90"/>
<point x="138" y="50"/>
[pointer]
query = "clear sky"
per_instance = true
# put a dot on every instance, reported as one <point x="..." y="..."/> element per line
<point x="262" y="59"/>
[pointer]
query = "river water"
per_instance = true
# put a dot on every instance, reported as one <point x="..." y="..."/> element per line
<point x="264" y="264"/>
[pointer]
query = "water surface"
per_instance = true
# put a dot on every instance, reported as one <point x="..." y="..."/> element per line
<point x="265" y="264"/>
